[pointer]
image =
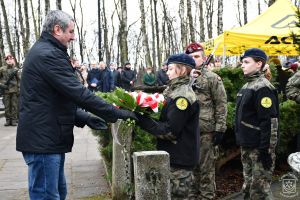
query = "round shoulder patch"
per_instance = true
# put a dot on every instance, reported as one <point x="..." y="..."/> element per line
<point x="219" y="78"/>
<point x="181" y="103"/>
<point x="266" y="102"/>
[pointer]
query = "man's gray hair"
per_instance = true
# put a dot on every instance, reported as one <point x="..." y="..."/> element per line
<point x="57" y="17"/>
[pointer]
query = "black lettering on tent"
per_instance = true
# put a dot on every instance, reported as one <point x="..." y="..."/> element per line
<point x="284" y="40"/>
<point x="285" y="23"/>
<point x="273" y="40"/>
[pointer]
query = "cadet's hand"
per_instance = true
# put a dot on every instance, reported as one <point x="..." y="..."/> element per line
<point x="96" y="123"/>
<point x="265" y="158"/>
<point x="217" y="138"/>
<point x="125" y="114"/>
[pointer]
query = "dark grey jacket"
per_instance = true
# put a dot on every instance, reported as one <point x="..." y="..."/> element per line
<point x="49" y="95"/>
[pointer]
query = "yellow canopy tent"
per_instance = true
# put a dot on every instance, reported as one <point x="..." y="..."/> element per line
<point x="270" y="31"/>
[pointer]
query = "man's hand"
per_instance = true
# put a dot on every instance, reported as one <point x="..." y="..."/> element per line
<point x="96" y="123"/>
<point x="93" y="85"/>
<point x="126" y="114"/>
<point x="265" y="158"/>
<point x="217" y="138"/>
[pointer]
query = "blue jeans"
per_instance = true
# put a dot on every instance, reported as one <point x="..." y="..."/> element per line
<point x="46" y="178"/>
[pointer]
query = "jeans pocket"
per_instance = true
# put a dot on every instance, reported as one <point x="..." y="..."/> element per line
<point x="28" y="157"/>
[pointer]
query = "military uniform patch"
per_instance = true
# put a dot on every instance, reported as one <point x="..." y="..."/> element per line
<point x="181" y="103"/>
<point x="266" y="102"/>
<point x="219" y="78"/>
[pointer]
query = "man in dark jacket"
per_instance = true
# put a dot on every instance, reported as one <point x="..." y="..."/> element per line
<point x="93" y="78"/>
<point x="106" y="77"/>
<point x="49" y="98"/>
<point x="162" y="77"/>
<point x="128" y="77"/>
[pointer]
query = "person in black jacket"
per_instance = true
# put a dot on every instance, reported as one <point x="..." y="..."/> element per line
<point x="256" y="126"/>
<point x="128" y="77"/>
<point x="50" y="98"/>
<point x="94" y="77"/>
<point x="177" y="130"/>
<point x="162" y="77"/>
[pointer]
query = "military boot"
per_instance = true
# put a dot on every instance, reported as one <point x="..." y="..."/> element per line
<point x="14" y="122"/>
<point x="7" y="123"/>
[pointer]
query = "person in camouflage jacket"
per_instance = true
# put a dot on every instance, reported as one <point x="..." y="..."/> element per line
<point x="293" y="87"/>
<point x="10" y="84"/>
<point x="211" y="94"/>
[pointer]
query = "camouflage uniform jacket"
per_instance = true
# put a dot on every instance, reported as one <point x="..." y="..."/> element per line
<point x="256" y="122"/>
<point x="14" y="83"/>
<point x="212" y="96"/>
<point x="293" y="87"/>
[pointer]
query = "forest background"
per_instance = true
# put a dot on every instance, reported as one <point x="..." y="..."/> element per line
<point x="145" y="32"/>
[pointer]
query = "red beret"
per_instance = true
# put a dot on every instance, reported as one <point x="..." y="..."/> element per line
<point x="294" y="66"/>
<point x="193" y="47"/>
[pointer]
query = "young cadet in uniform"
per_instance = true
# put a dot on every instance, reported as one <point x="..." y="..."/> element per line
<point x="212" y="97"/>
<point x="293" y="87"/>
<point x="256" y="126"/>
<point x="177" y="130"/>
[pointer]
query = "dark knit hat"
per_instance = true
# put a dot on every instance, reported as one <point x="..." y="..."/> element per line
<point x="127" y="63"/>
<point x="193" y="47"/>
<point x="182" y="58"/>
<point x="255" y="53"/>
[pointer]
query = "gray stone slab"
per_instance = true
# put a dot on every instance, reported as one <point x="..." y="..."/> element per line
<point x="21" y="194"/>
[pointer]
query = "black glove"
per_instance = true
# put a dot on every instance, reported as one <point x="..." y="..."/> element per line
<point x="96" y="123"/>
<point x="217" y="138"/>
<point x="265" y="158"/>
<point x="125" y="114"/>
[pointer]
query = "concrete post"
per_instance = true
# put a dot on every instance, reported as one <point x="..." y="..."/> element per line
<point x="152" y="175"/>
<point x="121" y="165"/>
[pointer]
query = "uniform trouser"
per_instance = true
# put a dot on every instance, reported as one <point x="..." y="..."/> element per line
<point x="257" y="180"/>
<point x="181" y="184"/>
<point x="10" y="102"/>
<point x="204" y="185"/>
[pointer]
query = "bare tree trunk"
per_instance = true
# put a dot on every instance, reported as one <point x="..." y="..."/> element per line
<point x="27" y="29"/>
<point x="182" y="25"/>
<point x="111" y="49"/>
<point x="47" y="6"/>
<point x="271" y="2"/>
<point x="153" y="35"/>
<point x="145" y="36"/>
<point x="166" y="50"/>
<point x="58" y="4"/>
<point x="7" y="31"/>
<point x="245" y="11"/>
<point x="239" y="13"/>
<point x="79" y="27"/>
<point x="157" y="35"/>
<point x="22" y="28"/>
<point x="201" y="20"/>
<point x="2" y="53"/>
<point x="17" y="36"/>
<point x="123" y="32"/>
<point x="105" y="34"/>
<point x="209" y="16"/>
<point x="34" y="21"/>
<point x="190" y="18"/>
<point x="220" y="17"/>
<point x="258" y="7"/>
<point x="39" y="18"/>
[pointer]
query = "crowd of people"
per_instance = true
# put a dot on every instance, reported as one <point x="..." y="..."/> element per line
<point x="57" y="93"/>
